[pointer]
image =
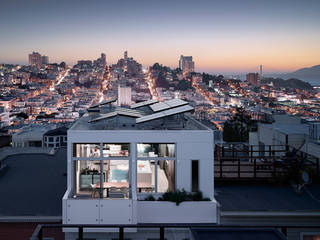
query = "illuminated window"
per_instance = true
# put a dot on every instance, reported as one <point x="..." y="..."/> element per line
<point x="86" y="150"/>
<point x="156" y="150"/>
<point x="156" y="176"/>
<point x="116" y="149"/>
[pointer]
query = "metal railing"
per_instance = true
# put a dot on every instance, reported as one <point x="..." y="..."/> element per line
<point x="239" y="161"/>
<point x="38" y="233"/>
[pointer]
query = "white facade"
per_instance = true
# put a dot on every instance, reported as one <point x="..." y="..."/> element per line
<point x="124" y="95"/>
<point x="189" y="145"/>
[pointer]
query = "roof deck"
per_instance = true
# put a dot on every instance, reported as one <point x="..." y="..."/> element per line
<point x="148" y="115"/>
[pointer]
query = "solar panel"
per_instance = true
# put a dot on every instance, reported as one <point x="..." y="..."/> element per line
<point x="103" y="103"/>
<point x="104" y="116"/>
<point x="150" y="117"/>
<point x="178" y="110"/>
<point x="165" y="113"/>
<point x="144" y="103"/>
<point x="176" y="102"/>
<point x="119" y="111"/>
<point x="130" y="114"/>
<point x="159" y="107"/>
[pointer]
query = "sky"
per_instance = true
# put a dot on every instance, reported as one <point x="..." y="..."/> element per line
<point x="227" y="36"/>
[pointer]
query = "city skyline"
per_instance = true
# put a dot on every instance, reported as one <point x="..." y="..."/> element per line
<point x="222" y="37"/>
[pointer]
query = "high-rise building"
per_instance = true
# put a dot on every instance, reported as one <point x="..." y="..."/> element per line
<point x="103" y="59"/>
<point x="44" y="60"/>
<point x="125" y="55"/>
<point x="35" y="59"/>
<point x="186" y="64"/>
<point x="254" y="79"/>
<point x="124" y="94"/>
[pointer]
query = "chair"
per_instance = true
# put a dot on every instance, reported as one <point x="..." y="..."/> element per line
<point x="93" y="188"/>
<point x="115" y="193"/>
<point x="125" y="191"/>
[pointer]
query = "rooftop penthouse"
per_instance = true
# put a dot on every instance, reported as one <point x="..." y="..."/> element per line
<point x="119" y="157"/>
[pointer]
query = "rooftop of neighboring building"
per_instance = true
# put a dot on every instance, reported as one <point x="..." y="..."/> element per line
<point x="57" y="132"/>
<point x="33" y="131"/>
<point x="266" y="197"/>
<point x="33" y="185"/>
<point x="236" y="233"/>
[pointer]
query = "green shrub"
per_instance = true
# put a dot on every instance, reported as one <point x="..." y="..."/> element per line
<point x="150" y="198"/>
<point x="179" y="196"/>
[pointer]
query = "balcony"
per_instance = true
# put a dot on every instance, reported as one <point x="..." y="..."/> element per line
<point x="169" y="212"/>
<point x="132" y="211"/>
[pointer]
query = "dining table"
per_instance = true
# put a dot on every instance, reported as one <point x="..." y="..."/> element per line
<point x="109" y="185"/>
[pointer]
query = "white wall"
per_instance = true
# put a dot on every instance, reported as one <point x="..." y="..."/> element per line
<point x="191" y="145"/>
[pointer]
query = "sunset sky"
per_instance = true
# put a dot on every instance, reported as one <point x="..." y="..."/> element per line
<point x="222" y="36"/>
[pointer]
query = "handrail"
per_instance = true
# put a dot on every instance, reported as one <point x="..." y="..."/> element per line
<point x="38" y="232"/>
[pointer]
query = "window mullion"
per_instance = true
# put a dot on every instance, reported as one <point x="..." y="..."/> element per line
<point x="156" y="175"/>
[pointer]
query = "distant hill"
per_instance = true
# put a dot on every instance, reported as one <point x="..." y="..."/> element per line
<point x="311" y="73"/>
<point x="289" y="83"/>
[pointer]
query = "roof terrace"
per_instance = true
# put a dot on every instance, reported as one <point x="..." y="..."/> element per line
<point x="149" y="115"/>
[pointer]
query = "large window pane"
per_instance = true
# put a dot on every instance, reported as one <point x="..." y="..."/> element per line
<point x="116" y="183"/>
<point x="116" y="149"/>
<point x="156" y="150"/>
<point x="165" y="176"/>
<point x="91" y="150"/>
<point x="146" y="176"/>
<point x="87" y="174"/>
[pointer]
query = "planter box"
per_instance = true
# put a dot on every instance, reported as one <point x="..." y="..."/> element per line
<point x="169" y="212"/>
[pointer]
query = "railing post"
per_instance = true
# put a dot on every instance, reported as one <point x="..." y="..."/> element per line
<point x="220" y="167"/>
<point x="222" y="151"/>
<point x="121" y="233"/>
<point x="255" y="168"/>
<point x="80" y="233"/>
<point x="232" y="151"/>
<point x="269" y="151"/>
<point x="239" y="167"/>
<point x="40" y="236"/>
<point x="251" y="153"/>
<point x="161" y="233"/>
<point x="284" y="231"/>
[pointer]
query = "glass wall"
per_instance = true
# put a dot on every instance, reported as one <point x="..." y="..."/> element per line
<point x="156" y="150"/>
<point x="116" y="149"/>
<point x="86" y="150"/>
<point x="117" y="181"/>
<point x="165" y="176"/>
<point x="87" y="175"/>
<point x="146" y="178"/>
<point x="155" y="176"/>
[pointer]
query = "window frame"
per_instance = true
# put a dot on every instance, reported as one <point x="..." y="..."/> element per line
<point x="100" y="159"/>
<point x="156" y="160"/>
<point x="302" y="234"/>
